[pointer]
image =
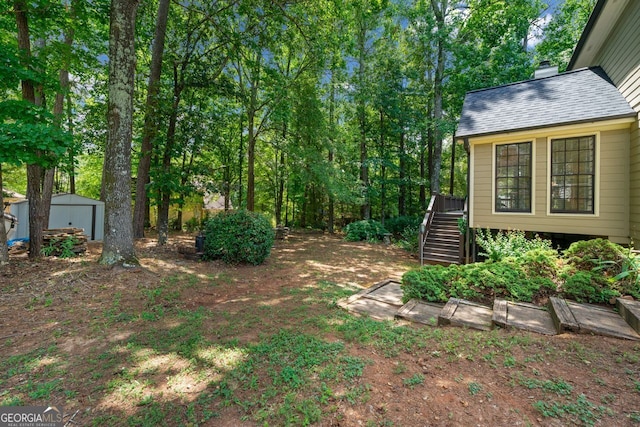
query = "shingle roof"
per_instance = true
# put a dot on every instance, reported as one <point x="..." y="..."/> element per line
<point x="579" y="96"/>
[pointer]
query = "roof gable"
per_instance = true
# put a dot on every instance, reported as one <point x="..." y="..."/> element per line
<point x="584" y="95"/>
<point x="602" y="21"/>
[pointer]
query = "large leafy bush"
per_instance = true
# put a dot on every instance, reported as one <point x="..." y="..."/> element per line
<point x="513" y="243"/>
<point x="364" y="231"/>
<point x="599" y="270"/>
<point x="593" y="271"/>
<point x="409" y="239"/>
<point x="588" y="286"/>
<point x="602" y="253"/>
<point x="427" y="283"/>
<point x="397" y="225"/>
<point x="528" y="277"/>
<point x="238" y="237"/>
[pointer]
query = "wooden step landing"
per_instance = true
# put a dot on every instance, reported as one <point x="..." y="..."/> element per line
<point x="458" y="312"/>
<point x="529" y="317"/>
<point x="420" y="312"/>
<point x="381" y="301"/>
<point x="630" y="311"/>
<point x="570" y="316"/>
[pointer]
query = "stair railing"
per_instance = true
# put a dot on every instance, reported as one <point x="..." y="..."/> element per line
<point x="426" y="226"/>
<point x="438" y="203"/>
<point x="463" y="246"/>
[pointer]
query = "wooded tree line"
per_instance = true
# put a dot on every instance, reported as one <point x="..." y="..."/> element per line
<point x="316" y="112"/>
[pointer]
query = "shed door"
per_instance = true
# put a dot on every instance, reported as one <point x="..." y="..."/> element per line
<point x="64" y="216"/>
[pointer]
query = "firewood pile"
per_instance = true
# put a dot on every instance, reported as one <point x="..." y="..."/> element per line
<point x="64" y="242"/>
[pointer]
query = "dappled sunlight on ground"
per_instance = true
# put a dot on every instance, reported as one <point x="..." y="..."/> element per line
<point x="183" y="342"/>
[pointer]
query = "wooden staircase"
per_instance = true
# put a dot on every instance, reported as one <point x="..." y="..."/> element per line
<point x="442" y="243"/>
<point x="440" y="238"/>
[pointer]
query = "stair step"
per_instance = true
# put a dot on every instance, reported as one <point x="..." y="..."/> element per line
<point x="441" y="259"/>
<point x="630" y="312"/>
<point x="443" y="237"/>
<point x="589" y="319"/>
<point x="384" y="301"/>
<point x="441" y="244"/>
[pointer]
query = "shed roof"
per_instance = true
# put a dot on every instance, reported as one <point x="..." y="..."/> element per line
<point x="580" y="96"/>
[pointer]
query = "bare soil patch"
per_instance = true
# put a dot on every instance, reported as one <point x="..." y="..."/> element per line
<point x="161" y="345"/>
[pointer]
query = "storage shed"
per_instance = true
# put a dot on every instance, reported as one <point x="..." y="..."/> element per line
<point x="67" y="210"/>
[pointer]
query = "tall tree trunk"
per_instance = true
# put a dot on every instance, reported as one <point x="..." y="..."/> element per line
<point x="63" y="78"/>
<point x="4" y="250"/>
<point x="402" y="176"/>
<point x="185" y="173"/>
<point x="165" y="201"/>
<point x="118" y="244"/>
<point x="36" y="183"/>
<point x="383" y="171"/>
<point x="362" y="122"/>
<point x="439" y="9"/>
<point x="72" y="151"/>
<point x="332" y="101"/>
<point x="150" y="120"/>
<point x="280" y="196"/>
<point x="240" y="158"/>
<point x="251" y="142"/>
<point x="424" y="162"/>
<point x="453" y="167"/>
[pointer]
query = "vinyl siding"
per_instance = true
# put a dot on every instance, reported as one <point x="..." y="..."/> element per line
<point x="612" y="187"/>
<point x="620" y="58"/>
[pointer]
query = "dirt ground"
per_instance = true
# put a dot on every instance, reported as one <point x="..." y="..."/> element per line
<point x="82" y="310"/>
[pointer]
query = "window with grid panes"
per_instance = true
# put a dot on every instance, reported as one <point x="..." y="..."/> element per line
<point x="573" y="174"/>
<point x="513" y="177"/>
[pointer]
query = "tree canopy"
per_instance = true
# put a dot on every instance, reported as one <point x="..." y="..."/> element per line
<point x="314" y="112"/>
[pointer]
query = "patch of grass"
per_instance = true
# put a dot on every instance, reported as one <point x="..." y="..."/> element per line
<point x="581" y="410"/>
<point x="12" y="400"/>
<point x="474" y="388"/>
<point x="558" y="386"/>
<point x="152" y="414"/>
<point x="42" y="391"/>
<point x="358" y="394"/>
<point x="414" y="380"/>
<point x="399" y="368"/>
<point x="509" y="361"/>
<point x="291" y="374"/>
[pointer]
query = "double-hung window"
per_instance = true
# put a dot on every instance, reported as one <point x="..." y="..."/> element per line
<point x="573" y="175"/>
<point x="513" y="177"/>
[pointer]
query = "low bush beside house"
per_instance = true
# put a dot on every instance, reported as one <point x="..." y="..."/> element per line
<point x="238" y="237"/>
<point x="482" y="282"/>
<point x="529" y="270"/>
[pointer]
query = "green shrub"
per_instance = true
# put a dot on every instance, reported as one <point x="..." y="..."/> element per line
<point x="409" y="239"/>
<point x="602" y="253"/>
<point x="428" y="283"/>
<point x="507" y="279"/>
<point x="238" y="237"/>
<point x="629" y="275"/>
<point x="364" y="231"/>
<point x="397" y="225"/>
<point x="540" y="262"/>
<point x="513" y="243"/>
<point x="588" y="286"/>
<point x="515" y="279"/>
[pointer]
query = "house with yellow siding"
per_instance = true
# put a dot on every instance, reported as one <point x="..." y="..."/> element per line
<point x="560" y="154"/>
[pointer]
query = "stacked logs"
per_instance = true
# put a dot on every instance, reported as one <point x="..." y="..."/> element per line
<point x="64" y="242"/>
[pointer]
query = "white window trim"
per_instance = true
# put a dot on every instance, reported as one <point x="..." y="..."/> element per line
<point x="596" y="176"/>
<point x="533" y="178"/>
